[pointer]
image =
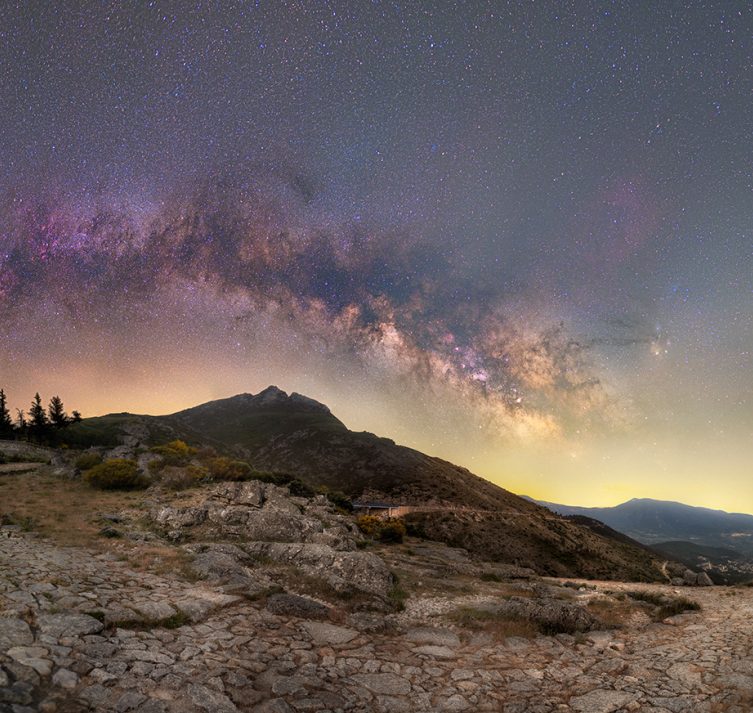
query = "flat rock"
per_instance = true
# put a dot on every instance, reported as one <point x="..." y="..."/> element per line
<point x="323" y="633"/>
<point x="199" y="604"/>
<point x="210" y="700"/>
<point x="153" y="611"/>
<point x="601" y="701"/>
<point x="438" y="652"/>
<point x="389" y="684"/>
<point x="65" y="678"/>
<point x="128" y="701"/>
<point x="14" y="632"/>
<point x="436" y="637"/>
<point x="686" y="673"/>
<point x="69" y="625"/>
<point x="33" y="657"/>
<point x="455" y="702"/>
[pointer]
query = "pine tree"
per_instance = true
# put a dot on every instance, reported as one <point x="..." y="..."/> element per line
<point x="57" y="415"/>
<point x="76" y="417"/>
<point x="38" y="422"/>
<point x="21" y="423"/>
<point x="6" y="423"/>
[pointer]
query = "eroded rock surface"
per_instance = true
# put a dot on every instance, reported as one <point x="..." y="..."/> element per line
<point x="62" y="650"/>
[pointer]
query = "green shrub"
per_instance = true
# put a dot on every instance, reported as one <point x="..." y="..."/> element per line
<point x="337" y="498"/>
<point x="175" y="453"/>
<point x="392" y="530"/>
<point x="665" y="606"/>
<point x="369" y="525"/>
<point x="175" y="478"/>
<point x="676" y="606"/>
<point x="300" y="489"/>
<point x="156" y="466"/>
<point x="274" y="477"/>
<point x="223" y="468"/>
<point x="655" y="598"/>
<point x="88" y="460"/>
<point x="116" y="474"/>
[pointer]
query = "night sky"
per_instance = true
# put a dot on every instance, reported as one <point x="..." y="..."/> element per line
<point x="515" y="235"/>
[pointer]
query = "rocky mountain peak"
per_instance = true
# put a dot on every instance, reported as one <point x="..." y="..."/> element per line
<point x="272" y="394"/>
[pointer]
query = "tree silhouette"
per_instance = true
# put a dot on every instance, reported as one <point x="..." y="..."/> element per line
<point x="76" y="417"/>
<point x="21" y="423"/>
<point x="57" y="414"/>
<point x="6" y="423"/>
<point x="38" y="423"/>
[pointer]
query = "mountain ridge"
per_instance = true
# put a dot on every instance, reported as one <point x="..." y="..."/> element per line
<point x="274" y="431"/>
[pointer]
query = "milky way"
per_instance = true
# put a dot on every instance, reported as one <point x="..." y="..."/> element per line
<point x="516" y="237"/>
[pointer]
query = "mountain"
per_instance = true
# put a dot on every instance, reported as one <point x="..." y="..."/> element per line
<point x="653" y="521"/>
<point x="292" y="433"/>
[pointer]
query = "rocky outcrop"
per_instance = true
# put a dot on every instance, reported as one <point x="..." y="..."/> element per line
<point x="27" y="451"/>
<point x="549" y="615"/>
<point x="257" y="511"/>
<point x="345" y="572"/>
<point x="264" y="523"/>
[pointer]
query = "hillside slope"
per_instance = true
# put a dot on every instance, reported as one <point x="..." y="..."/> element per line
<point x="294" y="434"/>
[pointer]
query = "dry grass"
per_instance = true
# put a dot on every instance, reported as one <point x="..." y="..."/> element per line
<point x="158" y="559"/>
<point x="69" y="513"/>
<point x="665" y="606"/>
<point x="612" y="614"/>
<point x="500" y="626"/>
<point x="64" y="510"/>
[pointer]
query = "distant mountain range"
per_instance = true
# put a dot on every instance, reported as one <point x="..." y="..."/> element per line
<point x="689" y="534"/>
<point x="275" y="431"/>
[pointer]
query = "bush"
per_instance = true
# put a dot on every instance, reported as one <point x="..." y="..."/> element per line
<point x="391" y="529"/>
<point x="665" y="606"/>
<point x="676" y="606"/>
<point x="88" y="460"/>
<point x="116" y="474"/>
<point x="300" y="489"/>
<point x="273" y="477"/>
<point x="174" y="478"/>
<point x="369" y="525"/>
<point x="337" y="498"/>
<point x="175" y="453"/>
<point x="223" y="468"/>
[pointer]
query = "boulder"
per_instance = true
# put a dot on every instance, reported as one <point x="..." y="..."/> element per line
<point x="230" y="565"/>
<point x="343" y="571"/>
<point x="174" y="518"/>
<point x="696" y="579"/>
<point x="703" y="580"/>
<point x="268" y="523"/>
<point x="551" y="615"/>
<point x="249" y="493"/>
<point x="293" y="605"/>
